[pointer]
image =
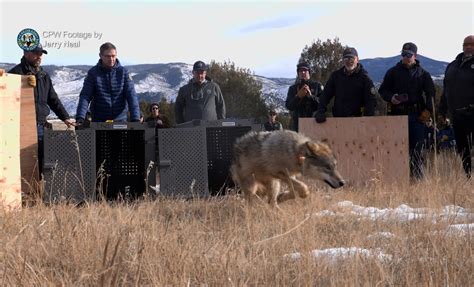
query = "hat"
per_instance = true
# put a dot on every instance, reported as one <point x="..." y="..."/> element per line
<point x="39" y="48"/>
<point x="349" y="52"/>
<point x="409" y="48"/>
<point x="199" y="66"/>
<point x="303" y="65"/>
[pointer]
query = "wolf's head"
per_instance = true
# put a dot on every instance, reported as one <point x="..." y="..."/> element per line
<point x="319" y="162"/>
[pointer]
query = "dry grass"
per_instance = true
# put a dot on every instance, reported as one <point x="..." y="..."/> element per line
<point x="224" y="242"/>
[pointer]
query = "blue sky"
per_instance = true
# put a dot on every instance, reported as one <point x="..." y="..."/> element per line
<point x="264" y="36"/>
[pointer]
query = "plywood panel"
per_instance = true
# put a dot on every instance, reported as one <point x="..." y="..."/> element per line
<point x="28" y="139"/>
<point x="368" y="149"/>
<point x="10" y="178"/>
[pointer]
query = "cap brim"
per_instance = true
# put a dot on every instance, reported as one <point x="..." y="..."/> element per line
<point x="38" y="50"/>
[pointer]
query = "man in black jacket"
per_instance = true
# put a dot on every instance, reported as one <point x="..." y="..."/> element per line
<point x="409" y="90"/>
<point x="44" y="93"/>
<point x="458" y="100"/>
<point x="352" y="89"/>
<point x="303" y="97"/>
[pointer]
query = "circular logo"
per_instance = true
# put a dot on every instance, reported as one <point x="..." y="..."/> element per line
<point x="28" y="39"/>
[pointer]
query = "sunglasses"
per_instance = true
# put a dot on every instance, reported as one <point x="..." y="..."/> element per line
<point x="407" y="55"/>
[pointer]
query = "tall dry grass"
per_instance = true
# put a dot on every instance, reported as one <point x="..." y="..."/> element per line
<point x="224" y="242"/>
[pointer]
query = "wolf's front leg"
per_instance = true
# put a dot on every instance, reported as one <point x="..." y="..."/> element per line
<point x="298" y="186"/>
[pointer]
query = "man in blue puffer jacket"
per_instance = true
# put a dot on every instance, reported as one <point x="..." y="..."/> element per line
<point x="109" y="89"/>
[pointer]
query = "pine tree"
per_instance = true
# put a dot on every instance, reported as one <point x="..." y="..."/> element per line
<point x="242" y="92"/>
<point x="323" y="57"/>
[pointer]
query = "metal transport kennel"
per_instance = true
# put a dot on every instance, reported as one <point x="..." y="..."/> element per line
<point x="110" y="160"/>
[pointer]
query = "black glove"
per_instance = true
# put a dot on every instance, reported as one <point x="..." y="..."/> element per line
<point x="320" y="117"/>
<point x="79" y="123"/>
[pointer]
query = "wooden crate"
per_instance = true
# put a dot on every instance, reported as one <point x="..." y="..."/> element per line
<point x="28" y="140"/>
<point x="10" y="176"/>
<point x="368" y="149"/>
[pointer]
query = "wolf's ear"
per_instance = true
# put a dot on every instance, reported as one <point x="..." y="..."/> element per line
<point x="311" y="148"/>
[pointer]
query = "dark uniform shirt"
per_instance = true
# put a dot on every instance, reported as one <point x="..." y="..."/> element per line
<point x="45" y="95"/>
<point x="352" y="93"/>
<point x="458" y="85"/>
<point x="302" y="107"/>
<point x="413" y="81"/>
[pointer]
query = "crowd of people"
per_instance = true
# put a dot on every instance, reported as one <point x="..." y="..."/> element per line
<point x="108" y="94"/>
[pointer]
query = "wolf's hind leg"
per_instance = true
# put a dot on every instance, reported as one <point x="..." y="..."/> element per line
<point x="249" y="188"/>
<point x="273" y="190"/>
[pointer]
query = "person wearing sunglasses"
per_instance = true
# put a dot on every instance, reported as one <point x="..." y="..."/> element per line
<point x="352" y="89"/>
<point x="156" y="117"/>
<point x="409" y="90"/>
<point x="457" y="100"/>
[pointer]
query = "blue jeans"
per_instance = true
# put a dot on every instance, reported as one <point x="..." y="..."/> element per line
<point x="416" y="142"/>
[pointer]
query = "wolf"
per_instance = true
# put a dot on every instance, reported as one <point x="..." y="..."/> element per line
<point x="262" y="160"/>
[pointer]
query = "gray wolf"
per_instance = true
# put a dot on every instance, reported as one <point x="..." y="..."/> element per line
<point x="263" y="159"/>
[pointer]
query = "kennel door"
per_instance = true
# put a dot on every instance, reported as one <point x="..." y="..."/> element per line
<point x="220" y="143"/>
<point x="183" y="162"/>
<point x="69" y="165"/>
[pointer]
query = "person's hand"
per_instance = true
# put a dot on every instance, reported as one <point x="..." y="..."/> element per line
<point x="79" y="122"/>
<point x="320" y="117"/>
<point x="303" y="91"/>
<point x="394" y="99"/>
<point x="32" y="81"/>
<point x="70" y="123"/>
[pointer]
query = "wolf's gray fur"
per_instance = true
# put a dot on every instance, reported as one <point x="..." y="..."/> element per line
<point x="263" y="159"/>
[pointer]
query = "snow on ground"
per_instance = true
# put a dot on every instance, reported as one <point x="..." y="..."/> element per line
<point x="402" y="213"/>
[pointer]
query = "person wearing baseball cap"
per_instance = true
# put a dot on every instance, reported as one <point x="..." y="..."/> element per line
<point x="200" y="99"/>
<point x="409" y="90"/>
<point x="352" y="89"/>
<point x="46" y="97"/>
<point x="303" y="96"/>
